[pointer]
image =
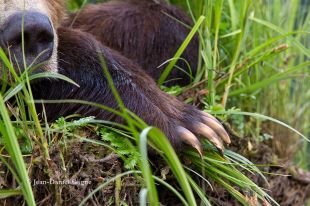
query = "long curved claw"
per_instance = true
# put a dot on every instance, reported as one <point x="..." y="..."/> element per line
<point x="188" y="137"/>
<point x="217" y="126"/>
<point x="210" y="135"/>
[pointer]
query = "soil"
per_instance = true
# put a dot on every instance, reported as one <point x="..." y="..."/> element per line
<point x="92" y="165"/>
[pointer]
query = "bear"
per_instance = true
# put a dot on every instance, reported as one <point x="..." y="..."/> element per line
<point x="148" y="32"/>
<point x="78" y="56"/>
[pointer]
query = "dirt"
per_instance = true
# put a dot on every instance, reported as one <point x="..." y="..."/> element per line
<point x="91" y="165"/>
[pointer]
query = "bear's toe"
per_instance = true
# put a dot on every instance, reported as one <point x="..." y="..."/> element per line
<point x="203" y="125"/>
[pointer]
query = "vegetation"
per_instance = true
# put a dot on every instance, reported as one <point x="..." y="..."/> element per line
<point x="253" y="73"/>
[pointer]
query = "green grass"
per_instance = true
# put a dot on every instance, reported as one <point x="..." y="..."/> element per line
<point x="255" y="56"/>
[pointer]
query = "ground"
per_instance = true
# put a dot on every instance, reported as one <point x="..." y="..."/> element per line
<point x="93" y="165"/>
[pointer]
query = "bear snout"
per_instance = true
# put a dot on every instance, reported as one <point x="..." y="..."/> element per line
<point x="38" y="38"/>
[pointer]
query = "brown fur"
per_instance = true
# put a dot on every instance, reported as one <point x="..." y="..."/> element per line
<point x="78" y="59"/>
<point x="57" y="10"/>
<point x="144" y="31"/>
<point x="78" y="51"/>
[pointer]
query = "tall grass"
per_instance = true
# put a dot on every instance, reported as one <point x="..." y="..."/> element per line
<point x="255" y="55"/>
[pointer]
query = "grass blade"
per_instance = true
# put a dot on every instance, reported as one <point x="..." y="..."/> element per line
<point x="14" y="151"/>
<point x="146" y="169"/>
<point x="178" y="54"/>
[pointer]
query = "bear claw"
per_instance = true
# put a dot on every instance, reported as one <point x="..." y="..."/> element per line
<point x="216" y="126"/>
<point x="210" y="128"/>
<point x="208" y="133"/>
<point x="188" y="137"/>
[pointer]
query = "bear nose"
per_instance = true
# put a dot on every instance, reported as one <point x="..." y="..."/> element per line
<point x="38" y="38"/>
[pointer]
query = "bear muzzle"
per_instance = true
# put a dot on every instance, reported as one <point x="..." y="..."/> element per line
<point x="37" y="44"/>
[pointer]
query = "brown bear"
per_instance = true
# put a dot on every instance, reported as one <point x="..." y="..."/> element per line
<point x="76" y="54"/>
<point x="148" y="32"/>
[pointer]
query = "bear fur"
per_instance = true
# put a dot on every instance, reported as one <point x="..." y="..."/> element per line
<point x="79" y="60"/>
<point x="145" y="31"/>
<point x="78" y="57"/>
